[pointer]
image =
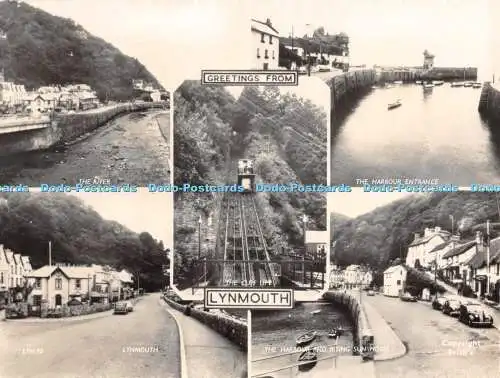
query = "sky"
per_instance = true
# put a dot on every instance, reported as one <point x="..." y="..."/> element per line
<point x="175" y="39"/>
<point x="357" y="202"/>
<point x="140" y="212"/>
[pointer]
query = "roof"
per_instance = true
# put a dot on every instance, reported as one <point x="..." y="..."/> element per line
<point x="394" y="268"/>
<point x="70" y="272"/>
<point x="262" y="27"/>
<point x="426" y="239"/>
<point x="459" y="249"/>
<point x="440" y="246"/>
<point x="316" y="237"/>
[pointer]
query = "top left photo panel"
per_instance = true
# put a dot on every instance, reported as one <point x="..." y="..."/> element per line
<point x="82" y="100"/>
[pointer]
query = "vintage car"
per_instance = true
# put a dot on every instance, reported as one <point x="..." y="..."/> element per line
<point x="121" y="308"/>
<point x="130" y="306"/>
<point x="474" y="314"/>
<point x="438" y="302"/>
<point x="370" y="293"/>
<point x="451" y="307"/>
<point x="407" y="297"/>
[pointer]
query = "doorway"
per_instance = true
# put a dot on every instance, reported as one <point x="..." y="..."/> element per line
<point x="58" y="300"/>
<point x="265" y="66"/>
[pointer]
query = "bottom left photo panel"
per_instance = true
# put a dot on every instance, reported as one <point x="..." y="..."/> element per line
<point x="85" y="291"/>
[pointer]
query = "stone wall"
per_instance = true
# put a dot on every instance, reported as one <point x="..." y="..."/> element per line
<point x="341" y="86"/>
<point x="353" y="307"/>
<point x="232" y="329"/>
<point x="489" y="102"/>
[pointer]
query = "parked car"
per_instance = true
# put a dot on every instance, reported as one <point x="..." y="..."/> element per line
<point x="324" y="68"/>
<point x="302" y="70"/>
<point x="121" y="308"/>
<point x="438" y="302"/>
<point x="407" y="297"/>
<point x="451" y="307"/>
<point x="474" y="314"/>
<point x="130" y="306"/>
<point x="371" y="293"/>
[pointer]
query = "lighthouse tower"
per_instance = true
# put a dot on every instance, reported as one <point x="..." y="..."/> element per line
<point x="428" y="60"/>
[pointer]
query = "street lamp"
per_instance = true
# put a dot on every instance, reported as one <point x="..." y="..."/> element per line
<point x="305" y="219"/>
<point x="199" y="238"/>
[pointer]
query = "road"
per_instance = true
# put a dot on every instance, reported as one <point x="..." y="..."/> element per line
<point x="133" y="148"/>
<point x="94" y="348"/>
<point x="438" y="345"/>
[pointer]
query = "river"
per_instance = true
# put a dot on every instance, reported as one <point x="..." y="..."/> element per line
<point x="436" y="133"/>
<point x="274" y="334"/>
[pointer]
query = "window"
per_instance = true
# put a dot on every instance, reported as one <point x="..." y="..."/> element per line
<point x="498" y="269"/>
<point x="266" y="54"/>
<point x="12" y="269"/>
<point x="262" y="37"/>
<point x="1" y="278"/>
<point x="58" y="283"/>
<point x="270" y="39"/>
<point x="258" y="53"/>
<point x="78" y="284"/>
<point x="38" y="283"/>
<point x="273" y="54"/>
<point x="398" y="282"/>
<point x="37" y="300"/>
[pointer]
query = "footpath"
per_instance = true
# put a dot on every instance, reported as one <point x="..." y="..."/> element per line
<point x="205" y="353"/>
<point x="388" y="345"/>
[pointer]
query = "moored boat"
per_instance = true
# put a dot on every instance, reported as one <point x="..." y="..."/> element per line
<point x="457" y="85"/>
<point x="394" y="105"/>
<point x="306" y="338"/>
<point x="308" y="359"/>
<point x="428" y="85"/>
<point x="418" y="82"/>
<point x="438" y="82"/>
<point x="468" y="84"/>
<point x="398" y="82"/>
<point x="477" y="85"/>
<point x="315" y="312"/>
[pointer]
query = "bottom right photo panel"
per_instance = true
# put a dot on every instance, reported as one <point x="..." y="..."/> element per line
<point x="414" y="290"/>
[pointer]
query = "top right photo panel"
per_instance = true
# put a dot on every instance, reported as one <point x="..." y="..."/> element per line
<point x="418" y="101"/>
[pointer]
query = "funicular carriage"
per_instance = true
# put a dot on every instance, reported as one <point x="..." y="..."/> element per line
<point x="246" y="175"/>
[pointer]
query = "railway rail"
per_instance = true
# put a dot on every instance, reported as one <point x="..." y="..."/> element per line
<point x="244" y="249"/>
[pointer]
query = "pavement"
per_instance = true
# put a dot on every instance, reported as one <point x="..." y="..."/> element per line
<point x="437" y="345"/>
<point x="143" y="343"/>
<point x="96" y="315"/>
<point x="388" y="345"/>
<point x="117" y="151"/>
<point x="207" y="353"/>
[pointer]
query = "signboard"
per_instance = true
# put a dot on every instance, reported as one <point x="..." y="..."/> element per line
<point x="262" y="299"/>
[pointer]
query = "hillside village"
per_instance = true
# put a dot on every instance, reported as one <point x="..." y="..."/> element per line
<point x="15" y="99"/>
<point x="57" y="285"/>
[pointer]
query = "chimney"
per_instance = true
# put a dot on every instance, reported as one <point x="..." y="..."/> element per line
<point x="437" y="229"/>
<point x="416" y="236"/>
<point x="427" y="231"/>
<point x="268" y="22"/>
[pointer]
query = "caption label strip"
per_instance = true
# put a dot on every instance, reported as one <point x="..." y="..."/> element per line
<point x="240" y="78"/>
<point x="263" y="299"/>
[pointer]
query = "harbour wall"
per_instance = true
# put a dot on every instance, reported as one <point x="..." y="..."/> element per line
<point x="437" y="73"/>
<point x="349" y="83"/>
<point x="61" y="128"/>
<point x="353" y="307"/>
<point x="489" y="102"/>
<point x="232" y="329"/>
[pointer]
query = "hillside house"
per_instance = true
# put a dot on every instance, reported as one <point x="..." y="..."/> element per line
<point x="265" y="43"/>
<point x="394" y="280"/>
<point x="456" y="268"/>
<point x="479" y="271"/>
<point x="418" y="250"/>
<point x="336" y="277"/>
<point x="316" y="243"/>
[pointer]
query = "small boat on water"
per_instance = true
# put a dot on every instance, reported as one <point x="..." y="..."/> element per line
<point x="374" y="87"/>
<point x="394" y="105"/>
<point x="335" y="332"/>
<point x="438" y="82"/>
<point x="306" y="338"/>
<point x="429" y="85"/>
<point x="418" y="82"/>
<point x="398" y="82"/>
<point x="468" y="84"/>
<point x="308" y="358"/>
<point x="477" y="85"/>
<point x="457" y="85"/>
<point x="315" y="312"/>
